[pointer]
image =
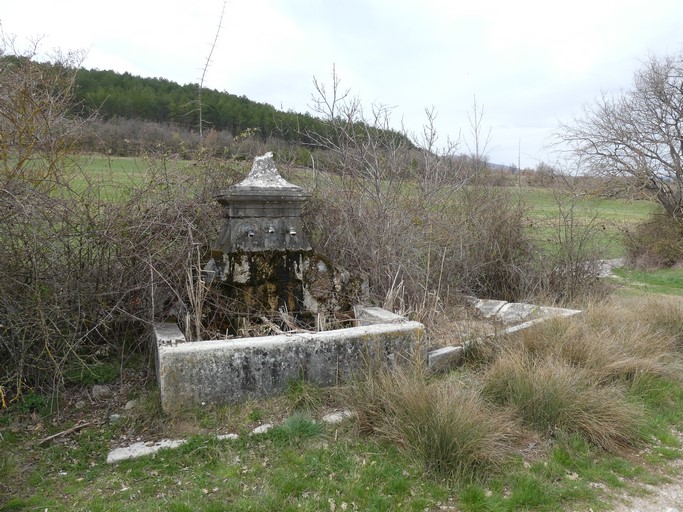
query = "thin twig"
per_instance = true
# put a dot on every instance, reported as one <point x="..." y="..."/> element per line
<point x="65" y="432"/>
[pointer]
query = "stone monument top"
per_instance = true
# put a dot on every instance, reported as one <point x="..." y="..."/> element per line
<point x="264" y="175"/>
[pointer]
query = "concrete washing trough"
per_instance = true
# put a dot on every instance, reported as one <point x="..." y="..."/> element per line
<point x="230" y="371"/>
<point x="233" y="370"/>
<point x="511" y="316"/>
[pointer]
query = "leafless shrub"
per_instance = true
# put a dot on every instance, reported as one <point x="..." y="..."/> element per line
<point x="576" y="240"/>
<point x="380" y="195"/>
<point x="87" y="260"/>
<point x="410" y="216"/>
<point x="82" y="276"/>
<point x="493" y="254"/>
<point x="656" y="243"/>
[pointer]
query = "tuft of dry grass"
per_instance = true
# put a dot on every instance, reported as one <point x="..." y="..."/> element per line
<point x="614" y="341"/>
<point x="445" y="423"/>
<point x="552" y="395"/>
<point x="571" y="375"/>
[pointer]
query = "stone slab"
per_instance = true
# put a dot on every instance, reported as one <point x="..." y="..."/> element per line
<point x="167" y="334"/>
<point x="142" y="449"/>
<point x="489" y="307"/>
<point x="366" y="315"/>
<point x="337" y="417"/>
<point x="444" y="358"/>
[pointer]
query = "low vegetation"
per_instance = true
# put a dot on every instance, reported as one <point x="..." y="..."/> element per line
<point x="663" y="281"/>
<point x="569" y="414"/>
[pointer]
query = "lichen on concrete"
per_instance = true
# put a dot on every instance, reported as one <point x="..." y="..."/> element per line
<point x="228" y="371"/>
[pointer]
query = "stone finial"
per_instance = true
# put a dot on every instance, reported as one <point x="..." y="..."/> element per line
<point x="264" y="174"/>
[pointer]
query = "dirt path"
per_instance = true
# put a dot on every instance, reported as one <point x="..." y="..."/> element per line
<point x="663" y="498"/>
<point x="660" y="498"/>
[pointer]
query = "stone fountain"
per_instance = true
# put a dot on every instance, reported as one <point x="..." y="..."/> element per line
<point x="263" y="266"/>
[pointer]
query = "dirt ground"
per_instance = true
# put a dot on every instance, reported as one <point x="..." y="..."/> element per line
<point x="663" y="498"/>
<point x="660" y="498"/>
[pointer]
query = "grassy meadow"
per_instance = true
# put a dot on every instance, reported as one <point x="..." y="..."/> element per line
<point x="606" y="218"/>
<point x="668" y="281"/>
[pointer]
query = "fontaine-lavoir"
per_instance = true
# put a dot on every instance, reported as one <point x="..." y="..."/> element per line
<point x="265" y="273"/>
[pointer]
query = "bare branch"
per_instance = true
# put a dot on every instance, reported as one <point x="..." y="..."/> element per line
<point x="634" y="139"/>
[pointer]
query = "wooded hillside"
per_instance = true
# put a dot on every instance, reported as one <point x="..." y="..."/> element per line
<point x="112" y="95"/>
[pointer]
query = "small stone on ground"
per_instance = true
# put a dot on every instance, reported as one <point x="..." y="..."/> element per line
<point x="262" y="429"/>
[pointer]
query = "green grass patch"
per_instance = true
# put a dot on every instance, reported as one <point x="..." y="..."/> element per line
<point x="96" y="373"/>
<point x="668" y="281"/>
<point x="297" y="466"/>
<point x="604" y="219"/>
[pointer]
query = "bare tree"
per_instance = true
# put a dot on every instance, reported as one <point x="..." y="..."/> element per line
<point x="634" y="139"/>
<point x="479" y="145"/>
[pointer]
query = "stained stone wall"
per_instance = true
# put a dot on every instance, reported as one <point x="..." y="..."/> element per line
<point x="229" y="371"/>
<point x="262" y="263"/>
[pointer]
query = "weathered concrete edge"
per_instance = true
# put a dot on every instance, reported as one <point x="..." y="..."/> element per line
<point x="561" y="313"/>
<point x="369" y="315"/>
<point x="444" y="358"/>
<point x="278" y="340"/>
<point x="225" y="371"/>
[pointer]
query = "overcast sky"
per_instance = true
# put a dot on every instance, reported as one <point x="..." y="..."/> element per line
<point x="530" y="64"/>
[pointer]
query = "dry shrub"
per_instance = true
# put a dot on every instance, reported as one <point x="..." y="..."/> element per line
<point x="86" y="267"/>
<point x="400" y="209"/>
<point x="492" y="254"/>
<point x="553" y="396"/>
<point x="656" y="243"/>
<point x="444" y="423"/>
<point x="87" y="259"/>
<point x="571" y="374"/>
<point x="475" y="243"/>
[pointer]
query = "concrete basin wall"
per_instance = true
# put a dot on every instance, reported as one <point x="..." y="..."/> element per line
<point x="230" y="371"/>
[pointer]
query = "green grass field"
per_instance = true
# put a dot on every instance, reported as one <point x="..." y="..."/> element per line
<point x="605" y="219"/>
<point x="667" y="281"/>
<point x="118" y="171"/>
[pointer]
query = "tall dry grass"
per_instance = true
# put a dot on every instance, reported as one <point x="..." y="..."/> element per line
<point x="595" y="376"/>
<point x="554" y="396"/>
<point x="574" y="375"/>
<point x="613" y="341"/>
<point x="444" y="423"/>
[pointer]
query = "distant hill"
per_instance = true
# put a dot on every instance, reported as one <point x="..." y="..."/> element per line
<point x="111" y="94"/>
